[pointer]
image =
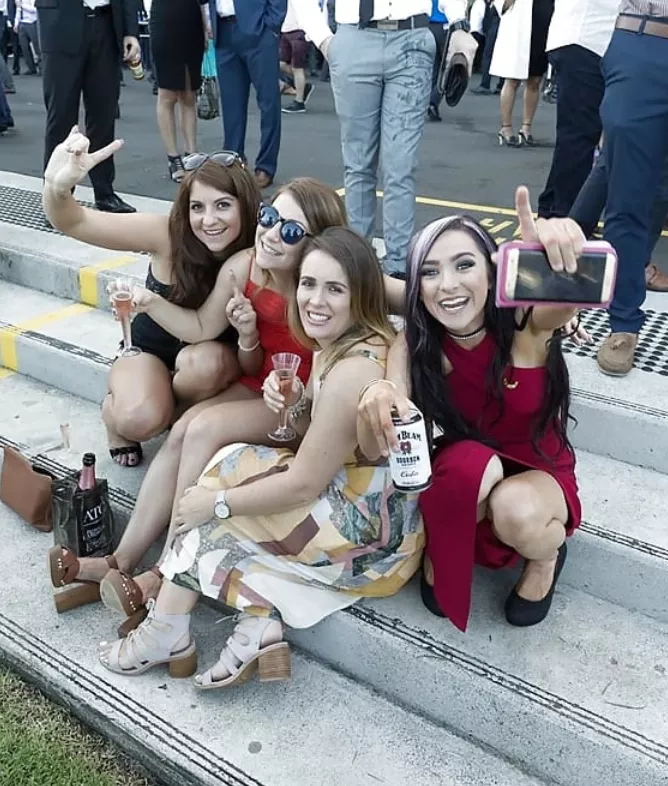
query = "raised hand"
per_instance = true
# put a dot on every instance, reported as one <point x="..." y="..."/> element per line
<point x="240" y="311"/>
<point x="70" y="162"/>
<point x="561" y="238"/>
<point x="377" y="406"/>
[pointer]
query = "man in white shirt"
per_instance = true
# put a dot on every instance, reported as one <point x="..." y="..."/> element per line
<point x="25" y="26"/>
<point x="580" y="32"/>
<point x="380" y="60"/>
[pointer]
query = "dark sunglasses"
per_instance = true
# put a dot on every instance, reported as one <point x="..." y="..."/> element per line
<point x="225" y="158"/>
<point x="291" y="231"/>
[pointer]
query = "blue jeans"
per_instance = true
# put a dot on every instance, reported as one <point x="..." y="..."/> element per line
<point x="635" y="127"/>
<point x="381" y="83"/>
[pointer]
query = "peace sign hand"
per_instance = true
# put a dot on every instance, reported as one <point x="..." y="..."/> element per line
<point x="561" y="238"/>
<point x="70" y="162"/>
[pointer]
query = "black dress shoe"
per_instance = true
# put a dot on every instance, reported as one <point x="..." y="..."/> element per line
<point x="429" y="598"/>
<point x="114" y="204"/>
<point x="522" y="612"/>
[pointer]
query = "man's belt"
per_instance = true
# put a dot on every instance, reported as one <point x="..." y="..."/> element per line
<point x="412" y="23"/>
<point x="643" y="24"/>
<point x="101" y="10"/>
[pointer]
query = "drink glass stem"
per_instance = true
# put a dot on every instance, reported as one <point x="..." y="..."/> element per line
<point x="127" y="334"/>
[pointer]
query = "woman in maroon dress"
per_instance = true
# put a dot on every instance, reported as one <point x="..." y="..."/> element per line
<point x="495" y="383"/>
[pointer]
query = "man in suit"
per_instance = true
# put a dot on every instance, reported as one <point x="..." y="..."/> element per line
<point x="83" y="42"/>
<point x="246" y="35"/>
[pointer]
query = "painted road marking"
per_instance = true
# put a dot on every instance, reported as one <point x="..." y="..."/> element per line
<point x="88" y="276"/>
<point x="5" y="372"/>
<point x="10" y="333"/>
<point x="472" y="207"/>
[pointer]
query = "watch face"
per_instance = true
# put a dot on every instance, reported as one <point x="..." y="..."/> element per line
<point x="221" y="509"/>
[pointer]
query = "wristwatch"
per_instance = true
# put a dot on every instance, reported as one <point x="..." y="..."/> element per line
<point x="221" y="508"/>
<point x="460" y="24"/>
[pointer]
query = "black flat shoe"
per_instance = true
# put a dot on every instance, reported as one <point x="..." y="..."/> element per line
<point x="114" y="204"/>
<point x="428" y="597"/>
<point x="522" y="612"/>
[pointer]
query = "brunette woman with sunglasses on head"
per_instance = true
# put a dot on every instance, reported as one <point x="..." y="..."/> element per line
<point x="212" y="218"/>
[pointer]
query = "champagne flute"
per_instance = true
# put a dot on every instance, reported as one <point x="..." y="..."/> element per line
<point x="285" y="365"/>
<point x="121" y="298"/>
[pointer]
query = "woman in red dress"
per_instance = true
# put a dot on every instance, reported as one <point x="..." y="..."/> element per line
<point x="495" y="383"/>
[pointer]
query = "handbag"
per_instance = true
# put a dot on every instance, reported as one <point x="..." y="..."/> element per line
<point x="26" y="489"/>
<point x="208" y="98"/>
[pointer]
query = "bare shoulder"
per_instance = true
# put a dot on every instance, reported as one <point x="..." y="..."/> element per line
<point x="239" y="264"/>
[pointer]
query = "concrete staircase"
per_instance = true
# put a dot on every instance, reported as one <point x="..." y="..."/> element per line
<point x="383" y="692"/>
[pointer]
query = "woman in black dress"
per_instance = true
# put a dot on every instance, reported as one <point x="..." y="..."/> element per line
<point x="179" y="30"/>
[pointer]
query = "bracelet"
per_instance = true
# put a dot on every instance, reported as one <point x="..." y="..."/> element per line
<point x="371" y="384"/>
<point x="249" y="349"/>
<point x="301" y="405"/>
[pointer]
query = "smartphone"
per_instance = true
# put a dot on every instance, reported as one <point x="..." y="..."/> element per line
<point x="525" y="278"/>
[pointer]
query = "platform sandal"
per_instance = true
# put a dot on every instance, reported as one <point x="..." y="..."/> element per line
<point x="243" y="655"/>
<point x="175" y="168"/>
<point x="64" y="568"/>
<point x="158" y="640"/>
<point x="121" y="593"/>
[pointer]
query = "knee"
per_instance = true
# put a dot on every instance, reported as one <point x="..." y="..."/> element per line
<point x="140" y="420"/>
<point x="203" y="371"/>
<point x="200" y="428"/>
<point x="515" y="512"/>
<point x="167" y="97"/>
<point x="188" y="98"/>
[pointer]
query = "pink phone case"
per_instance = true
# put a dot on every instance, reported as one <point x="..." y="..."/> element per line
<point x="502" y="273"/>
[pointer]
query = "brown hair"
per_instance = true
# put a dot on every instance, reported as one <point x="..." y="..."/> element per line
<point x="368" y="300"/>
<point x="321" y="205"/>
<point x="194" y="267"/>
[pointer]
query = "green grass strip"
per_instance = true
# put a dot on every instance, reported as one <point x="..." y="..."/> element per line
<point x="41" y="744"/>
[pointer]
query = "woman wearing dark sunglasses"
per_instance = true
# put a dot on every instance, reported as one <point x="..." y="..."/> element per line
<point x="213" y="216"/>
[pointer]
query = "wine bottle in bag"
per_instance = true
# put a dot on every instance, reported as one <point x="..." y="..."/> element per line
<point x="82" y="517"/>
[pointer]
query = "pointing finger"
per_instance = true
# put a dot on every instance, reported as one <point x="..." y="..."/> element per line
<point x="525" y="217"/>
<point x="236" y="292"/>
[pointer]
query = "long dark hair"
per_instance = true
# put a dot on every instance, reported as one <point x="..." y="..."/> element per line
<point x="425" y="336"/>
<point x="194" y="267"/>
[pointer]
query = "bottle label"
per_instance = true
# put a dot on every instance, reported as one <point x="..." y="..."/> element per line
<point x="411" y="465"/>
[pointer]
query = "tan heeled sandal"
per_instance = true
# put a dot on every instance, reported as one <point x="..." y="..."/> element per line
<point x="64" y="568"/>
<point x="243" y="655"/>
<point x="120" y="592"/>
<point x="155" y="642"/>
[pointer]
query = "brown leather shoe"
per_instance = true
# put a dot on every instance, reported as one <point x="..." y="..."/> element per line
<point x="655" y="280"/>
<point x="616" y="353"/>
<point x="263" y="179"/>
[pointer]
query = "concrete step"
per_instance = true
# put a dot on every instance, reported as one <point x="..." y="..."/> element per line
<point x="573" y="701"/>
<point x="320" y="727"/>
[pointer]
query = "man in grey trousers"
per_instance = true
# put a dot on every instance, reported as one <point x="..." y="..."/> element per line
<point x="381" y="59"/>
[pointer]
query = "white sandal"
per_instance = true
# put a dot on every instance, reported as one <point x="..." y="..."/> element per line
<point x="243" y="655"/>
<point x="154" y="642"/>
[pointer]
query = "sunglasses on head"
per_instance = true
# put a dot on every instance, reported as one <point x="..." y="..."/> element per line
<point x="291" y="231"/>
<point x="225" y="158"/>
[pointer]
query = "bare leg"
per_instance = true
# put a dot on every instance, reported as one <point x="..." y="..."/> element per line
<point x="188" y="107"/>
<point x="165" y="110"/>
<point x="204" y="370"/>
<point x="507" y="104"/>
<point x="174" y="599"/>
<point x="531" y="97"/>
<point x="300" y="84"/>
<point x="140" y="403"/>
<point x="529" y="513"/>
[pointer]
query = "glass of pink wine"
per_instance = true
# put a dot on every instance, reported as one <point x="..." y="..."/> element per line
<point x="121" y="299"/>
<point x="285" y="365"/>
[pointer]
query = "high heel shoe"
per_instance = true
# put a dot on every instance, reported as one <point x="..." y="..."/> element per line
<point x="175" y="168"/>
<point x="527" y="138"/>
<point x="120" y="592"/>
<point x="523" y="613"/>
<point x="64" y="568"/>
<point x="509" y="140"/>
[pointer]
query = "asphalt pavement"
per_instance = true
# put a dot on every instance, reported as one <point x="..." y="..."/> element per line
<point x="461" y="168"/>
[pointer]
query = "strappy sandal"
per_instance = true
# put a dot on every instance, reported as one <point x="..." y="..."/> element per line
<point x="64" y="568"/>
<point x="153" y="643"/>
<point x="526" y="137"/>
<point x="509" y="140"/>
<point x="175" y="167"/>
<point x="242" y="656"/>
<point x="120" y="592"/>
<point x="128" y="450"/>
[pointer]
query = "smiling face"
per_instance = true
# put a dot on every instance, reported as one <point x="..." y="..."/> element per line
<point x="323" y="298"/>
<point x="215" y="217"/>
<point x="271" y="252"/>
<point x="454" y="282"/>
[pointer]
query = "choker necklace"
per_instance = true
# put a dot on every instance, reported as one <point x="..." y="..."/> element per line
<point x="466" y="336"/>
